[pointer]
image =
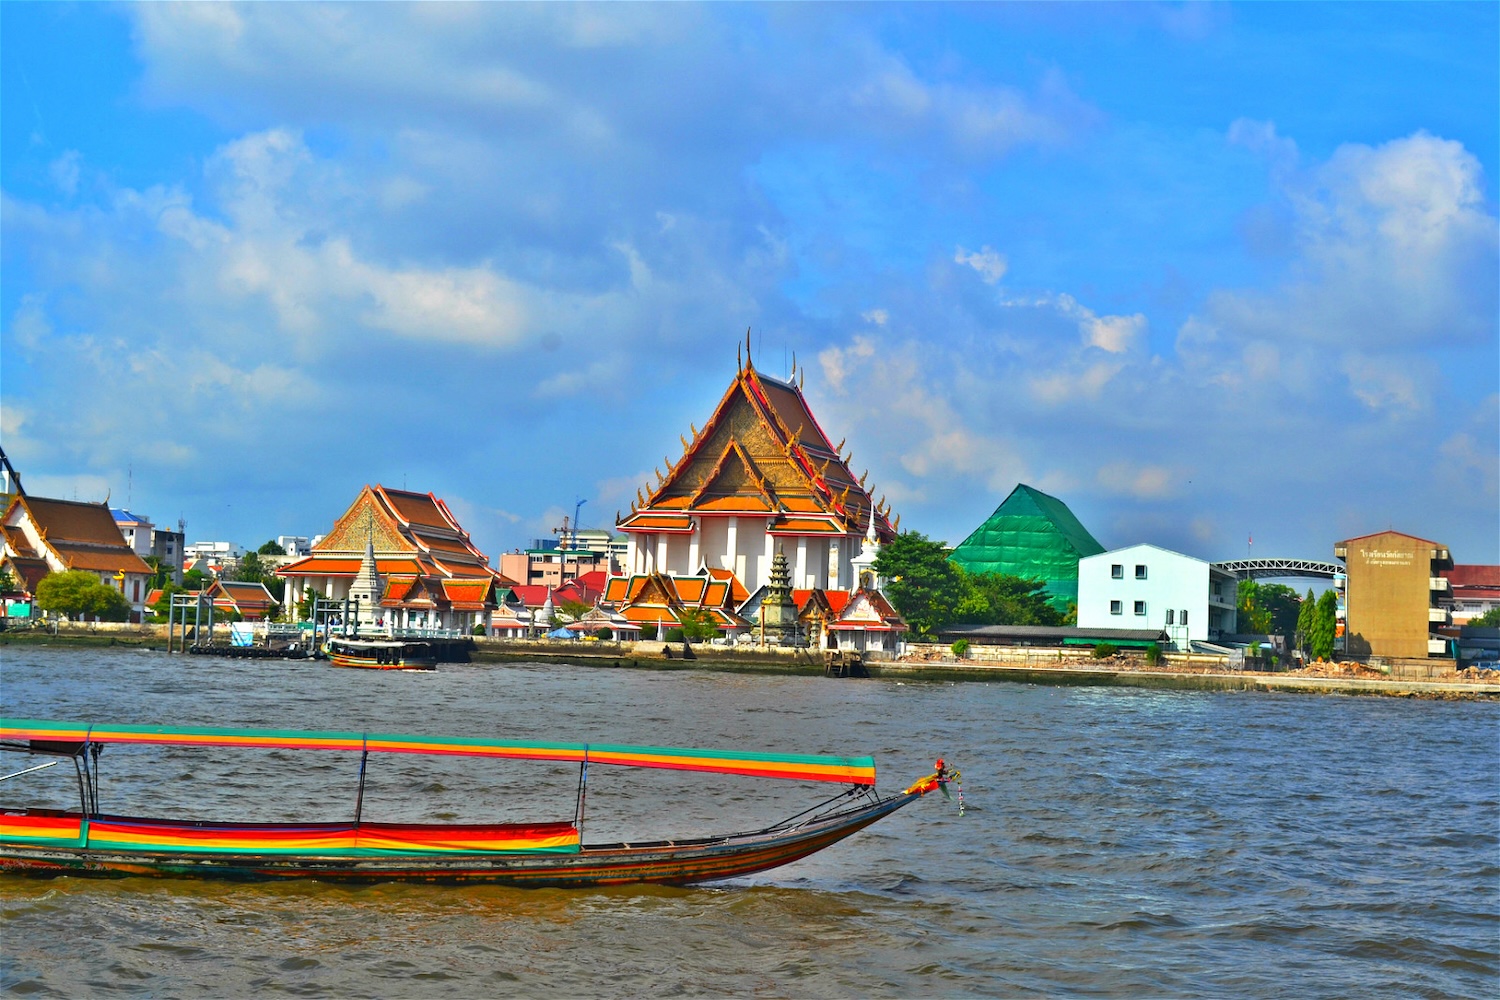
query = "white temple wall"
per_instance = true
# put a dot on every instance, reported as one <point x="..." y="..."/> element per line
<point x="713" y="541"/>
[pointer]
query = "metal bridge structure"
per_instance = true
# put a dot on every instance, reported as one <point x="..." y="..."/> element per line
<point x="1259" y="569"/>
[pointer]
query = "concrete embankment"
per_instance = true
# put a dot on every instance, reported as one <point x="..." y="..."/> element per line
<point x="654" y="656"/>
<point x="1182" y="680"/>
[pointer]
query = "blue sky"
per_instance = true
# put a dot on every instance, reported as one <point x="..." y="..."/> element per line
<point x="1203" y="271"/>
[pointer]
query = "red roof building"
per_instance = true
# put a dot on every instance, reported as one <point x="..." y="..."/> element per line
<point x="43" y="536"/>
<point x="658" y="599"/>
<point x="427" y="572"/>
<point x="1473" y="590"/>
<point x="251" y="601"/>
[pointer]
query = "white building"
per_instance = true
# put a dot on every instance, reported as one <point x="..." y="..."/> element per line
<point x="215" y="552"/>
<point x="1144" y="586"/>
<point x="296" y="546"/>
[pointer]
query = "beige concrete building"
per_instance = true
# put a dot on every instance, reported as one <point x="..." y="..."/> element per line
<point x="1392" y="594"/>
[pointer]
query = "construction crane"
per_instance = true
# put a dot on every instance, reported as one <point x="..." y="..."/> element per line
<point x="564" y="532"/>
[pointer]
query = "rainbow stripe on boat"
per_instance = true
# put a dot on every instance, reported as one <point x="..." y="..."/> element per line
<point x="800" y="767"/>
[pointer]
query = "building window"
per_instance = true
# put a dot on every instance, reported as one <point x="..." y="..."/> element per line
<point x="1114" y="607"/>
<point x="1116" y="571"/>
<point x="1140" y="607"/>
<point x="1170" y="613"/>
<point x="1140" y="571"/>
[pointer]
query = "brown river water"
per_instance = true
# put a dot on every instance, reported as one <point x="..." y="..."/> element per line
<point x="1114" y="842"/>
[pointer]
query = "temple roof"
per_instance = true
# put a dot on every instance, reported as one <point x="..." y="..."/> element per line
<point x="761" y="453"/>
<point x="868" y="611"/>
<point x="77" y="535"/>
<point x="414" y="534"/>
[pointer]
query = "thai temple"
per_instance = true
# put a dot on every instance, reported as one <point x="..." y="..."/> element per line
<point x="406" y="560"/>
<point x="760" y="505"/>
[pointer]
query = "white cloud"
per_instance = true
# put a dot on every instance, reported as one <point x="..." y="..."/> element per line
<point x="1395" y="248"/>
<point x="990" y="264"/>
<point x="1388" y="385"/>
<point x="1140" y="482"/>
<point x="65" y="172"/>
<point x="1115" y="334"/>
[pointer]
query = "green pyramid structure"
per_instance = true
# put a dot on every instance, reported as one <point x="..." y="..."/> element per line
<point x="1031" y="535"/>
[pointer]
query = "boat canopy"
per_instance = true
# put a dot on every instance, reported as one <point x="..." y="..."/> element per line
<point x="71" y="737"/>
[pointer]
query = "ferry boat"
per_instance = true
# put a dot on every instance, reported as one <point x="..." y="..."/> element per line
<point x="381" y="654"/>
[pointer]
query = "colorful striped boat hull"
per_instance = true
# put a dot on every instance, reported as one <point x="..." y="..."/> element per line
<point x="664" y="862"/>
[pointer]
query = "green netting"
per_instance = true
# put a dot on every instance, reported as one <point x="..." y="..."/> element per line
<point x="1031" y="535"/>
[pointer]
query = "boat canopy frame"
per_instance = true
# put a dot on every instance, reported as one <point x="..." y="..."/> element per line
<point x="83" y="743"/>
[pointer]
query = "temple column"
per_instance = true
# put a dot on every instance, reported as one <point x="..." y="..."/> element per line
<point x="662" y="538"/>
<point x="693" y="553"/>
<point x="833" y="564"/>
<point x="801" y="562"/>
<point x="770" y="556"/>
<point x="732" y="547"/>
<point x="630" y="555"/>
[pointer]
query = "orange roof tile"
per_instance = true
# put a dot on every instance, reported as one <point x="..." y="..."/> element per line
<point x="806" y="525"/>
<point x="657" y="522"/>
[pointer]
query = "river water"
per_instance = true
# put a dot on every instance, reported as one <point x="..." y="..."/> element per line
<point x="1114" y="842"/>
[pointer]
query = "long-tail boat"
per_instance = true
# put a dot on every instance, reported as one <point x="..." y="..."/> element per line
<point x="87" y="841"/>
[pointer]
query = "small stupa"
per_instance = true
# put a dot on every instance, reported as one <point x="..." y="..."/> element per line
<point x="778" y="613"/>
<point x="366" y="590"/>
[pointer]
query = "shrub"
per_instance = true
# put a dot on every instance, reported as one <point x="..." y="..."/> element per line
<point x="478" y="629"/>
<point x="1104" y="650"/>
<point x="1153" y="654"/>
<point x="960" y="648"/>
<point x="605" y="634"/>
<point x="648" y="632"/>
<point x="674" y="635"/>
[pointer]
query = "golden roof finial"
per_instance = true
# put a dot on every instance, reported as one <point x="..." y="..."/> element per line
<point x="684" y="441"/>
<point x="862" y="477"/>
<point x="748" y="362"/>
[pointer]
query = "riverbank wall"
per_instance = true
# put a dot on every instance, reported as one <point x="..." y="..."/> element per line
<point x="1030" y="665"/>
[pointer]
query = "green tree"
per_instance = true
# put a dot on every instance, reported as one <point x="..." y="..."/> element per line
<point x="1253" y="617"/>
<point x="78" y="594"/>
<point x="161" y="573"/>
<point x="1282" y="604"/>
<point x="697" y="626"/>
<point x="161" y="610"/>
<point x="1490" y="619"/>
<point x="1307" y="613"/>
<point x="250" y="569"/>
<point x="271" y="548"/>
<point x="195" y="579"/>
<point x="7" y="582"/>
<point x="924" y="586"/>
<point x="573" y="609"/>
<point x="1324" y="626"/>
<point x="1003" y="599"/>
